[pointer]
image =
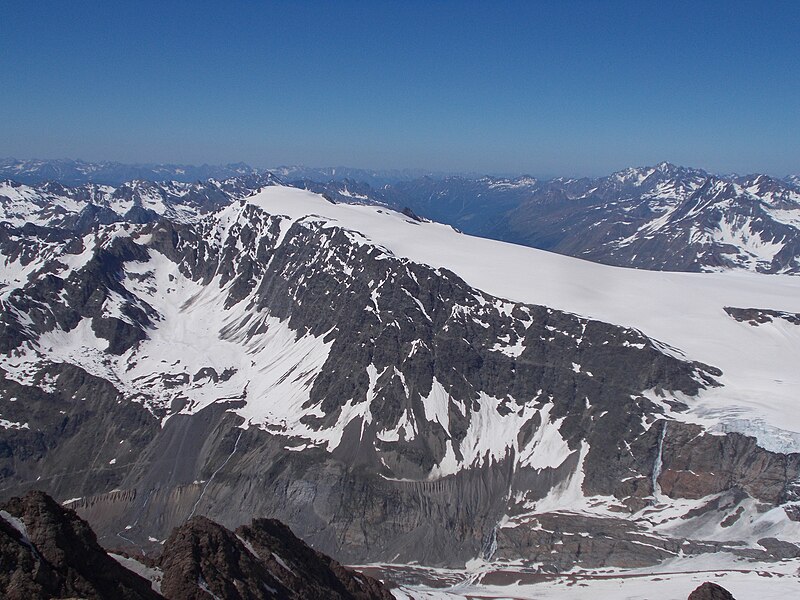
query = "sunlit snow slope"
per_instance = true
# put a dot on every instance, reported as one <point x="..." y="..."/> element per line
<point x="761" y="382"/>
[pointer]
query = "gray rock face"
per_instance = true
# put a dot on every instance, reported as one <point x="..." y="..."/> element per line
<point x="697" y="464"/>
<point x="403" y="341"/>
<point x="780" y="548"/>
<point x="72" y="435"/>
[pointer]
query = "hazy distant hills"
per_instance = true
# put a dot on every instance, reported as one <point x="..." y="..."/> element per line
<point x="373" y="178"/>
<point x="78" y="172"/>
<point x="662" y="217"/>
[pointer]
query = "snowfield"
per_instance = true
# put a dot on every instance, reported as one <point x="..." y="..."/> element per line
<point x="760" y="395"/>
<point x="672" y="580"/>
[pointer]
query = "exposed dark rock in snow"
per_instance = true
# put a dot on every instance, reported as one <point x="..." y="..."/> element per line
<point x="711" y="591"/>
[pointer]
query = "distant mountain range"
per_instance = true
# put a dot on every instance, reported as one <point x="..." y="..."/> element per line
<point x="83" y="207"/>
<point x="78" y="172"/>
<point x="373" y="178"/>
<point x="398" y="393"/>
<point x="662" y="217"/>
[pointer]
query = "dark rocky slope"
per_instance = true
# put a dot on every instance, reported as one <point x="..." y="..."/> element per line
<point x="261" y="561"/>
<point x="47" y="551"/>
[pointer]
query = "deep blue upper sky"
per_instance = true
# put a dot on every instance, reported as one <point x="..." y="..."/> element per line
<point x="572" y="88"/>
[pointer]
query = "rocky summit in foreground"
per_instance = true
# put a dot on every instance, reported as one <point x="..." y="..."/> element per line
<point x="47" y="551"/>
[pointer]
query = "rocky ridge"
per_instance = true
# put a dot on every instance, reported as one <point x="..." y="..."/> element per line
<point x="394" y="412"/>
<point x="48" y="551"/>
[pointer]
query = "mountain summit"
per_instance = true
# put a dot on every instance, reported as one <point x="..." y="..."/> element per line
<point x="395" y="390"/>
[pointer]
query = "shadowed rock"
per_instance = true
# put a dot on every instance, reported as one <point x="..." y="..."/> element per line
<point x="48" y="551"/>
<point x="711" y="591"/>
<point x="312" y="573"/>
<point x="262" y="561"/>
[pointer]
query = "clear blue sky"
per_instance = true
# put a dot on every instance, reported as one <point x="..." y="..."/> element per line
<point x="573" y="88"/>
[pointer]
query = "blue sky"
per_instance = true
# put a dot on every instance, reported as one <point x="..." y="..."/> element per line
<point x="555" y="88"/>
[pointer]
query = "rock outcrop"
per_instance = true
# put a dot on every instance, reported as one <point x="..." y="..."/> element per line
<point x="711" y="591"/>
<point x="262" y="561"/>
<point x="47" y="551"/>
